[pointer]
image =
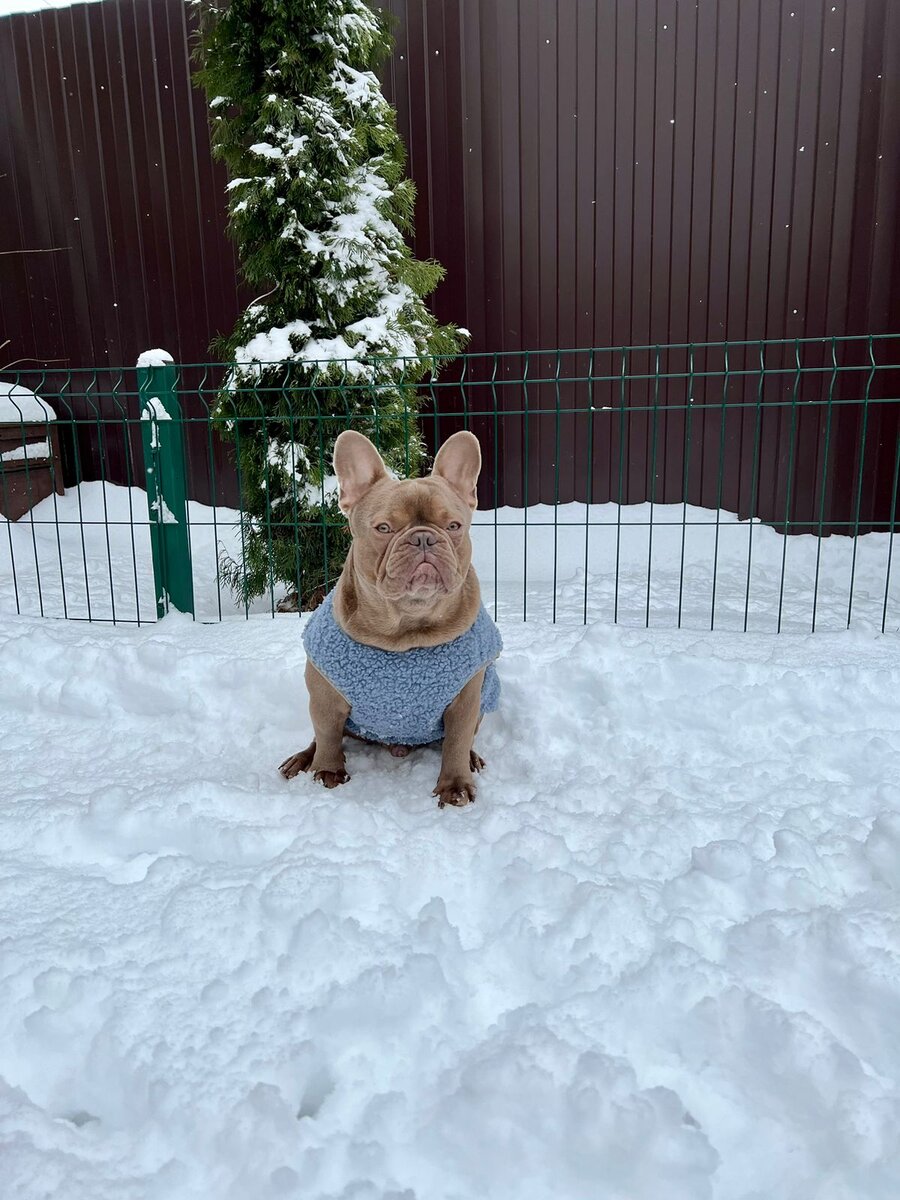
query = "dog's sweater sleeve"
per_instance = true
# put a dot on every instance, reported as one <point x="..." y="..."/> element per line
<point x="399" y="697"/>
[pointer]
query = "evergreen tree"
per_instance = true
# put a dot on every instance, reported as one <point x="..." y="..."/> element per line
<point x="318" y="204"/>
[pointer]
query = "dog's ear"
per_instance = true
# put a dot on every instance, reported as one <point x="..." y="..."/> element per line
<point x="358" y="466"/>
<point x="459" y="462"/>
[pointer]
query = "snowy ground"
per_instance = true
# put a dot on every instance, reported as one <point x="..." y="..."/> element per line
<point x="658" y="960"/>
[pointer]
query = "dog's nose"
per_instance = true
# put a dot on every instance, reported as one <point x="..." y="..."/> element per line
<point x="422" y="539"/>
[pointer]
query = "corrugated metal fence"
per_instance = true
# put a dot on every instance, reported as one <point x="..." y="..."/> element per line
<point x="109" y="188"/>
<point x="591" y="173"/>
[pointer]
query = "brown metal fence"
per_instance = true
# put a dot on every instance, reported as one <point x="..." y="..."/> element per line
<point x="591" y="173"/>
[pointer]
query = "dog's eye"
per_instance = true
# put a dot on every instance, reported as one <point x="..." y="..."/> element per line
<point x="454" y="525"/>
<point x="383" y="527"/>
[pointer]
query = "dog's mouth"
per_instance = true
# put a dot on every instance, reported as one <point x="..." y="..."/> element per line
<point x="425" y="572"/>
<point x="425" y="577"/>
<point x="420" y="574"/>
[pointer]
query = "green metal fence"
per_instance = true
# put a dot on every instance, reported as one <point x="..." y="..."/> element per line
<point x="747" y="486"/>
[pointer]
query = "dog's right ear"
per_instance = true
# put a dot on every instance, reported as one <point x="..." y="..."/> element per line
<point x="358" y="466"/>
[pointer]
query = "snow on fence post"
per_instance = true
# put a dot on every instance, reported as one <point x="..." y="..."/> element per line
<point x="162" y="438"/>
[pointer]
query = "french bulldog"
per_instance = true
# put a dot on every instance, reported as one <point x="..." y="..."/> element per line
<point x="401" y="652"/>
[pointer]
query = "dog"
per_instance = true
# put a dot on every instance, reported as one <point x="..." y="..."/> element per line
<point x="401" y="653"/>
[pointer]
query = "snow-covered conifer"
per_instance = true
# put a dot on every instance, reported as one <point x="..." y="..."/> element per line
<point x="319" y="204"/>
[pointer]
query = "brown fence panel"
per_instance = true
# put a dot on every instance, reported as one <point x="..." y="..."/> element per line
<point x="645" y="172"/>
<point x="113" y="232"/>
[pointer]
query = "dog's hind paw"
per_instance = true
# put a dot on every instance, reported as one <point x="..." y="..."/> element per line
<point x="298" y="762"/>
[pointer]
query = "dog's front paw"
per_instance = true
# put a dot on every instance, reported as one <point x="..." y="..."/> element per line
<point x="456" y="792"/>
<point x="331" y="779"/>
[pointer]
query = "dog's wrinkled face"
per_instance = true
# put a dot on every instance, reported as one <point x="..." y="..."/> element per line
<point x="410" y="538"/>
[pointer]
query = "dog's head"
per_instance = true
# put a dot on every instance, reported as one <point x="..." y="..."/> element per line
<point x="410" y="537"/>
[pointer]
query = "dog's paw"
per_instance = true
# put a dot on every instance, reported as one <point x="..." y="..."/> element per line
<point x="456" y="793"/>
<point x="298" y="762"/>
<point x="476" y="762"/>
<point x="305" y="761"/>
<point x="331" y="779"/>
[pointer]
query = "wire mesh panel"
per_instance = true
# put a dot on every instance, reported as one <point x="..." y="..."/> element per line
<point x="749" y="486"/>
<point x="79" y="552"/>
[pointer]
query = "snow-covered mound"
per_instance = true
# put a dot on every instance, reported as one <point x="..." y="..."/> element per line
<point x="19" y="405"/>
<point x="658" y="960"/>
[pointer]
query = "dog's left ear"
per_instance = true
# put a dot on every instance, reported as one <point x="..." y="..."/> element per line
<point x="459" y="462"/>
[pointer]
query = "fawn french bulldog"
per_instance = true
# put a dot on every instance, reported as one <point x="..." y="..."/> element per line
<point x="401" y="652"/>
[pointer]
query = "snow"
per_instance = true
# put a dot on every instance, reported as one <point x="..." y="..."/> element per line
<point x="273" y="342"/>
<point x="266" y="150"/>
<point x="358" y="87"/>
<point x="27" y="451"/>
<point x="154" y="410"/>
<point x="154" y="358"/>
<point x="8" y="7"/>
<point x="659" y="958"/>
<point x="19" y="405"/>
<point x="321" y="493"/>
<point x="160" y="511"/>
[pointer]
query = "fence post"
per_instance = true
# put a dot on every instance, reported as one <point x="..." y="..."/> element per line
<point x="162" y="438"/>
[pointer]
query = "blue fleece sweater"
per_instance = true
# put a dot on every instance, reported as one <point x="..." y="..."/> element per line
<point x="399" y="697"/>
